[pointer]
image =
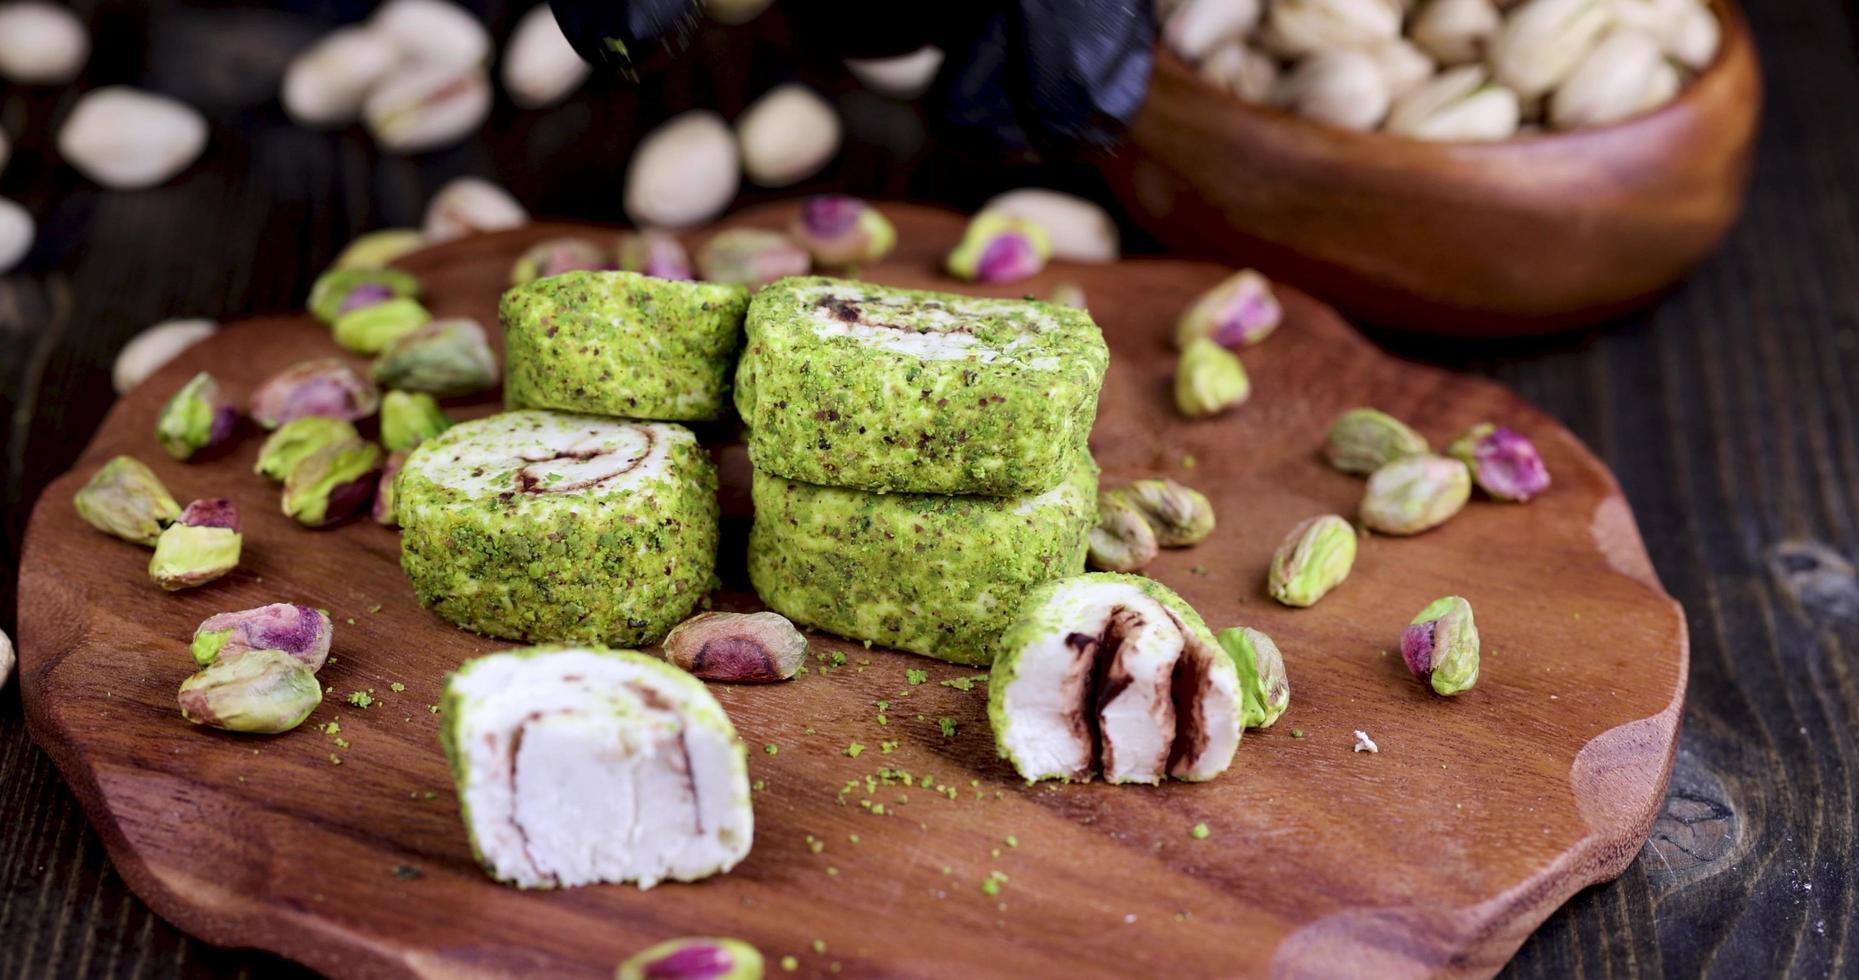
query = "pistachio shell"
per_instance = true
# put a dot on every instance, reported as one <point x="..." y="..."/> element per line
<point x="1078" y="230"/>
<point x="903" y="77"/>
<point x="150" y="350"/>
<point x="787" y="136"/>
<point x="434" y="32"/>
<point x="471" y="206"/>
<point x="327" y="84"/>
<point x="16" y="234"/>
<point x="124" y="138"/>
<point x="41" y="43"/>
<point x="684" y="172"/>
<point x="426" y="106"/>
<point x="540" y="67"/>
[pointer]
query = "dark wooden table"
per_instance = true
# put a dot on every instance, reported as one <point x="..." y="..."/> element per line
<point x="1730" y="413"/>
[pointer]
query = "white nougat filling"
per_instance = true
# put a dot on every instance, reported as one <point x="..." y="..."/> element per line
<point x="583" y="767"/>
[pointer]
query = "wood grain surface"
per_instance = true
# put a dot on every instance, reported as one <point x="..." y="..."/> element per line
<point x="1521" y="236"/>
<point x="1439" y="854"/>
<point x="1729" y="412"/>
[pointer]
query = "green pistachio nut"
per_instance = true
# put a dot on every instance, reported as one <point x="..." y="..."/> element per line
<point x="1314" y="558"/>
<point x="704" y="958"/>
<point x="1415" y="494"/>
<point x="200" y="546"/>
<point x="126" y="499"/>
<point x="297" y="439"/>
<point x="263" y="692"/>
<point x="409" y="418"/>
<point x="843" y="232"/>
<point x="1265" y="691"/>
<point x="1441" y="646"/>
<point x="197" y="417"/>
<point x="377" y="248"/>
<point x="1239" y="312"/>
<point x="1180" y="515"/>
<point x="445" y="358"/>
<point x="332" y="483"/>
<point x="339" y="292"/>
<point x="999" y="248"/>
<point x="1123" y="539"/>
<point x="369" y="329"/>
<point x="752" y="257"/>
<point x="301" y="631"/>
<point x="1363" y="440"/>
<point x="1209" y="380"/>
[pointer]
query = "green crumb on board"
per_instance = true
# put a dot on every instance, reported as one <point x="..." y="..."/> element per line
<point x="915" y="676"/>
<point x="992" y="886"/>
<point x="790" y="964"/>
<point x="1297" y="733"/>
<point x="759" y="785"/>
<point x="341" y="743"/>
<point x="886" y="748"/>
<point x="397" y="687"/>
<point x="375" y="608"/>
<point x="1200" y="832"/>
<point x="331" y="728"/>
<point x="361" y="699"/>
<point x="1189" y="462"/>
<point x="334" y="759"/>
<point x="832" y="872"/>
<point x="432" y="709"/>
<point x="948" y="727"/>
<point x="772" y="749"/>
<point x="1013" y="841"/>
<point x="819" y="946"/>
<point x="855" y="750"/>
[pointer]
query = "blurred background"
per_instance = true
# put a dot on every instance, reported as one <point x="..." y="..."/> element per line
<point x="1728" y="407"/>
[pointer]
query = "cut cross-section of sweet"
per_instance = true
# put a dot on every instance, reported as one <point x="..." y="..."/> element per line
<point x="850" y="384"/>
<point x="620" y="343"/>
<point x="1113" y="674"/>
<point x="546" y="526"/>
<point x="579" y="766"/>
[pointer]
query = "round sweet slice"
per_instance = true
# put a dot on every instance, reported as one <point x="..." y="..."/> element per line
<point x="580" y="766"/>
<point x="1113" y="674"/>
<point x="849" y="384"/>
<point x="619" y="343"/>
<point x="927" y="573"/>
<point x="547" y="526"/>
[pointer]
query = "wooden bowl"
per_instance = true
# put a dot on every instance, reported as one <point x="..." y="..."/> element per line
<point x="1527" y="236"/>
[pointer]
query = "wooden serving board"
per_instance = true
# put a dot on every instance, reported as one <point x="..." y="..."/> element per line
<point x="1478" y="817"/>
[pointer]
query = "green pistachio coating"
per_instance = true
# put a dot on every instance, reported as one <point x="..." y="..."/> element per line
<point x="370" y="329"/>
<point x="927" y="573"/>
<point x="409" y="418"/>
<point x="892" y="390"/>
<point x="550" y="526"/>
<point x="296" y="440"/>
<point x="126" y="499"/>
<point x="1363" y="440"/>
<point x="1314" y="558"/>
<point x="1264" y="690"/>
<point x="619" y="343"/>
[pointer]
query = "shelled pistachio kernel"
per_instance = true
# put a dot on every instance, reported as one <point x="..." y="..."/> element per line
<point x="1265" y="690"/>
<point x="1415" y="494"/>
<point x="301" y="631"/>
<point x="1504" y="463"/>
<point x="843" y="231"/>
<point x="1363" y="440"/>
<point x="1239" y="312"/>
<point x="262" y="692"/>
<point x="999" y="248"/>
<point x="446" y="358"/>
<point x="409" y="418"/>
<point x="554" y="256"/>
<point x="1313" y="559"/>
<point x="341" y="291"/>
<point x="752" y="257"/>
<point x="298" y="438"/>
<point x="655" y="253"/>
<point x="377" y="248"/>
<point x="124" y="498"/>
<point x="200" y="546"/>
<point x="1441" y="646"/>
<point x="694" y="958"/>
<point x="738" y="648"/>
<point x="369" y="329"/>
<point x="1209" y="379"/>
<point x="326" y="386"/>
<point x="1180" y="515"/>
<point x="332" y="483"/>
<point x="198" y="417"/>
<point x="1123" y="540"/>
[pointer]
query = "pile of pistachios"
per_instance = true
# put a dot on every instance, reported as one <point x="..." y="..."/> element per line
<point x="1454" y="70"/>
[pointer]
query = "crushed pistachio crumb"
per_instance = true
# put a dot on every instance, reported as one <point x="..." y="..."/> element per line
<point x="1013" y="841"/>
<point x="1200" y="832"/>
<point x="361" y="699"/>
<point x="964" y="683"/>
<point x="772" y="749"/>
<point x="815" y="844"/>
<point x="1189" y="462"/>
<point x="330" y="728"/>
<point x="397" y="687"/>
<point x="915" y="676"/>
<point x="947" y="725"/>
<point x="819" y="946"/>
<point x="759" y="785"/>
<point x="341" y="743"/>
<point x="1297" y="733"/>
<point x="838" y="658"/>
<point x="887" y="748"/>
<point x="852" y="837"/>
<point x="877" y="809"/>
<point x="374" y="608"/>
<point x="854" y="750"/>
<point x="432" y="709"/>
<point x="832" y="872"/>
<point x="790" y="964"/>
<point x="334" y="759"/>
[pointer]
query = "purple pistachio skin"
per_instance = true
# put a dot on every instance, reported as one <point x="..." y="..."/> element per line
<point x="1009" y="258"/>
<point x="300" y="631"/>
<point x="654" y="253"/>
<point x="384" y="493"/>
<point x="1507" y="465"/>
<point x="1417" y="648"/>
<point x="211" y="512"/>
<point x="366" y="294"/>
<point x="326" y="386"/>
<point x="692" y="962"/>
<point x="1252" y="315"/>
<point x="830" y="214"/>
